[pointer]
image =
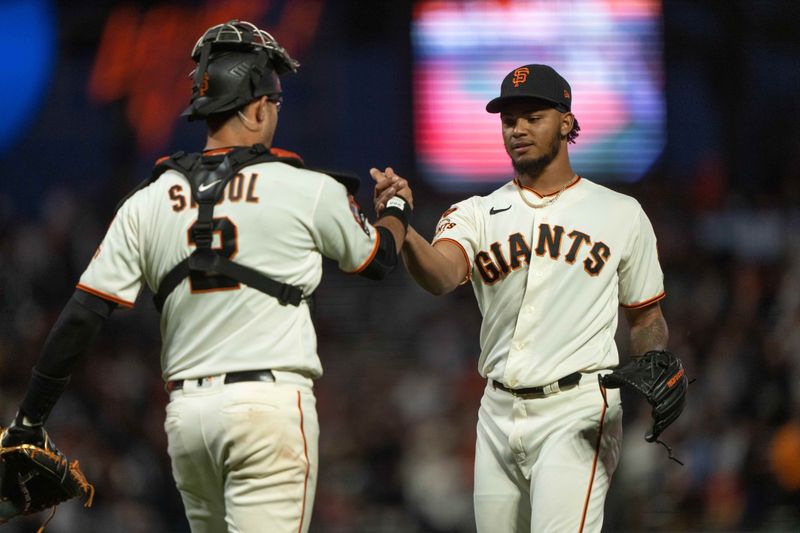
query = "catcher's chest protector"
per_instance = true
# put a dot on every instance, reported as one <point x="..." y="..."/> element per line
<point x="208" y="181"/>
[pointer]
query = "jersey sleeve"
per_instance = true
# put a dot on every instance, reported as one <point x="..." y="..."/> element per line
<point x="341" y="230"/>
<point x="115" y="272"/>
<point x="459" y="226"/>
<point x="641" y="281"/>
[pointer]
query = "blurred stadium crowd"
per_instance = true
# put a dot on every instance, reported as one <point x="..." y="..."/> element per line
<point x="399" y="397"/>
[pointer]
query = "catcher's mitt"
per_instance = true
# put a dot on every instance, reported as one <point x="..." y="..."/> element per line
<point x="33" y="478"/>
<point x="659" y="376"/>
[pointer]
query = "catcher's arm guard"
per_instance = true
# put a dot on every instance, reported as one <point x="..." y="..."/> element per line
<point x="33" y="478"/>
<point x="659" y="376"/>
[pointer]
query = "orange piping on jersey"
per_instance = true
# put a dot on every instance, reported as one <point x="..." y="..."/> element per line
<point x="280" y="152"/>
<point x="448" y="212"/>
<point x="104" y="295"/>
<point x="217" y="151"/>
<point x="308" y="466"/>
<point x="206" y="153"/>
<point x="371" y="256"/>
<point x="463" y="251"/>
<point x="574" y="182"/>
<point x="594" y="466"/>
<point x="277" y="152"/>
<point x="645" y="303"/>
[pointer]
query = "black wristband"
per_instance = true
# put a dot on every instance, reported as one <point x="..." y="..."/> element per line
<point x="400" y="209"/>
<point x="43" y="393"/>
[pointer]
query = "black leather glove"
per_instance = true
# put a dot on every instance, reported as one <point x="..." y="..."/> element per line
<point x="659" y="376"/>
<point x="24" y="431"/>
<point x="34" y="474"/>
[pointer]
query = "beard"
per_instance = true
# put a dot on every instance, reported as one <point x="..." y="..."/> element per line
<point x="533" y="168"/>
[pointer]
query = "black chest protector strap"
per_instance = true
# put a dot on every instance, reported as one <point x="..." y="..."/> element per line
<point x="208" y="181"/>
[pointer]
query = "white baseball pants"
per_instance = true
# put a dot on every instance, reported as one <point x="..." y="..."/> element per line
<point x="544" y="464"/>
<point x="245" y="455"/>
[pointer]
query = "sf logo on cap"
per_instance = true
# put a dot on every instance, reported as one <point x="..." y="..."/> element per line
<point x="520" y="76"/>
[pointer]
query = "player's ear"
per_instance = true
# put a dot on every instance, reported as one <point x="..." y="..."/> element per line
<point x="567" y="121"/>
<point x="261" y="109"/>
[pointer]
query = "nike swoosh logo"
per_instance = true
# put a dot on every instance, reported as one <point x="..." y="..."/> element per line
<point x="494" y="211"/>
<point x="205" y="186"/>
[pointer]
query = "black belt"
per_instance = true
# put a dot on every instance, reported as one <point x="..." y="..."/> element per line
<point x="230" y="377"/>
<point x="544" y="390"/>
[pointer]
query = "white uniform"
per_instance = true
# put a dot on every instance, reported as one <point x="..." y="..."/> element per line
<point x="244" y="455"/>
<point x="549" y="278"/>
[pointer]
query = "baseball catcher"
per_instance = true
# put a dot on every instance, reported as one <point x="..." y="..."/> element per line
<point x="274" y="220"/>
<point x="35" y="475"/>
<point x="659" y="376"/>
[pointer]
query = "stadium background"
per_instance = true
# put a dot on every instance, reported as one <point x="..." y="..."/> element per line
<point x="91" y="92"/>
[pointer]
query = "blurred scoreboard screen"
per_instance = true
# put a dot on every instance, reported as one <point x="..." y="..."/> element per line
<point x="610" y="51"/>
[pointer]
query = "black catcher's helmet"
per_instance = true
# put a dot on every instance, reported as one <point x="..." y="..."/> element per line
<point x="236" y="63"/>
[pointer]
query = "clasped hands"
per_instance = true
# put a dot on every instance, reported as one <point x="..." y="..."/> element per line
<point x="389" y="184"/>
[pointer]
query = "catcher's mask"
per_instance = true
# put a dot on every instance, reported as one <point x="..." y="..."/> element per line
<point x="236" y="63"/>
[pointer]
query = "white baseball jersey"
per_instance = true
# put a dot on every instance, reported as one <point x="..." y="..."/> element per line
<point x="274" y="218"/>
<point x="549" y="279"/>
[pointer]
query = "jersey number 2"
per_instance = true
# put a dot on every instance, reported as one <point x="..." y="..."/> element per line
<point x="228" y="246"/>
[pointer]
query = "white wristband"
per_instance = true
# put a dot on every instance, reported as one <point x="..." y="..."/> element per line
<point x="396" y="201"/>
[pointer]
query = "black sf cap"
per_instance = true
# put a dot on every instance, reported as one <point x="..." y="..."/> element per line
<point x="528" y="82"/>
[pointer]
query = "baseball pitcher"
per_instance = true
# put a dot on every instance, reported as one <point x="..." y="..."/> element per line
<point x="551" y="256"/>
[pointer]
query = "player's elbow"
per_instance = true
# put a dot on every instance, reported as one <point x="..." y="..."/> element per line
<point x="436" y="286"/>
<point x="441" y="290"/>
<point x="438" y="290"/>
<point x="377" y="270"/>
<point x="384" y="261"/>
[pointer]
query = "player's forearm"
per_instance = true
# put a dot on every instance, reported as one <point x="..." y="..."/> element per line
<point x="427" y="265"/>
<point x="396" y="228"/>
<point x="70" y="337"/>
<point x="649" y="332"/>
<point x="72" y="334"/>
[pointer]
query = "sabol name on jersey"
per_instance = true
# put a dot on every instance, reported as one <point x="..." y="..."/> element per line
<point x="240" y="188"/>
<point x="554" y="242"/>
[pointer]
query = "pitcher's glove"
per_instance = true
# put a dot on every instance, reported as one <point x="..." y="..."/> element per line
<point x="658" y="376"/>
<point x="36" y="476"/>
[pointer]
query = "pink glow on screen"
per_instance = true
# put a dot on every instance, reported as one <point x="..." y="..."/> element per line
<point x="609" y="51"/>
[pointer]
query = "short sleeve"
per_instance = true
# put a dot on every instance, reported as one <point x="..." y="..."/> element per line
<point x="641" y="281"/>
<point x="341" y="230"/>
<point x="115" y="272"/>
<point x="459" y="226"/>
